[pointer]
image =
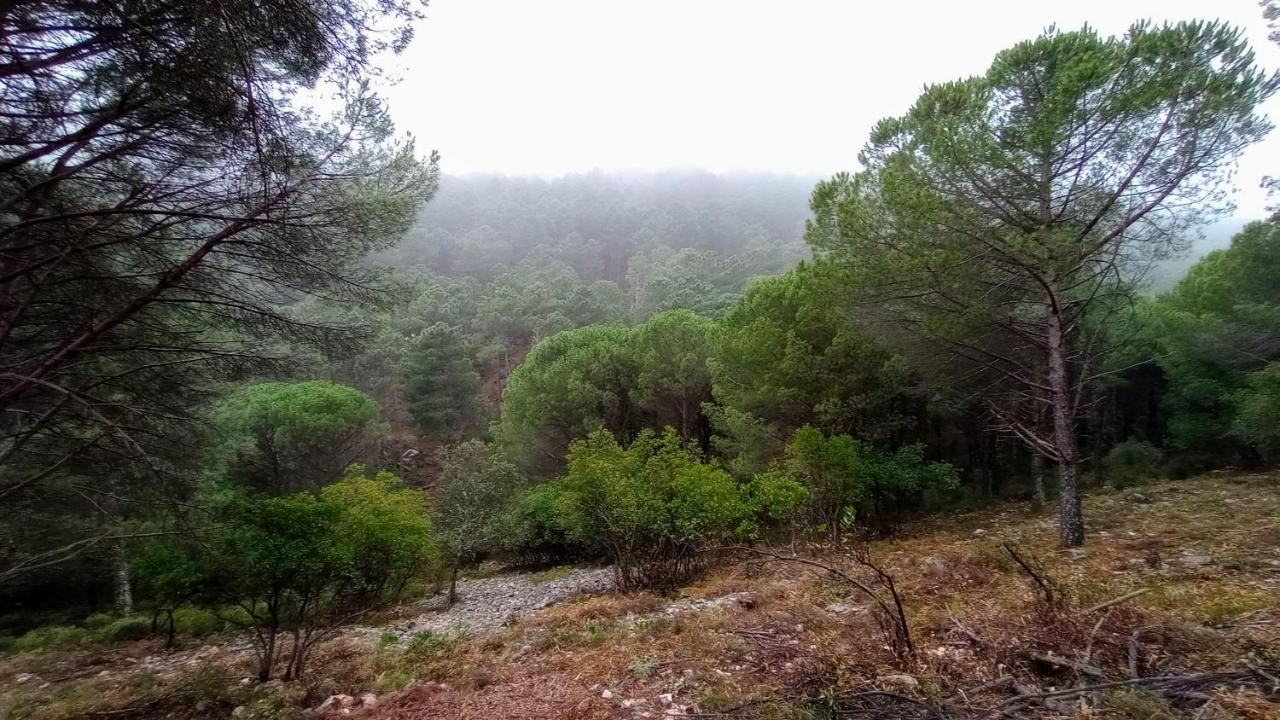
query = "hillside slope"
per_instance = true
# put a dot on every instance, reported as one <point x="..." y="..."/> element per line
<point x="1196" y="633"/>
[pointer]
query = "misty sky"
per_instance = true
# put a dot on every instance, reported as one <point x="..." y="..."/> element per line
<point x="548" y="87"/>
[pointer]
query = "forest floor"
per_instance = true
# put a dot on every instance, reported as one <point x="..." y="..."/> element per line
<point x="1195" y="633"/>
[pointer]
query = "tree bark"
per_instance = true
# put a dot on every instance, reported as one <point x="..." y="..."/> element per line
<point x="453" y="585"/>
<point x="1066" y="444"/>
<point x="123" y="585"/>
<point x="1037" y="481"/>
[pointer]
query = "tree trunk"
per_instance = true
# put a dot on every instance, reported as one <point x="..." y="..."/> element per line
<point x="123" y="585"/>
<point x="453" y="585"/>
<point x="268" y="656"/>
<point x="1066" y="444"/>
<point x="1037" y="481"/>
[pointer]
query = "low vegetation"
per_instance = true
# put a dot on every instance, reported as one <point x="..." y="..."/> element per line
<point x="1171" y="609"/>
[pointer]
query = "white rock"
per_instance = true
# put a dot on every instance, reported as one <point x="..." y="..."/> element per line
<point x="607" y="694"/>
<point x="23" y="677"/>
<point x="905" y="681"/>
<point x="935" y="566"/>
<point x="368" y="700"/>
<point x="666" y="698"/>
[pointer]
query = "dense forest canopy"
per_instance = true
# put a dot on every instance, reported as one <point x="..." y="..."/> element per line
<point x="268" y="365"/>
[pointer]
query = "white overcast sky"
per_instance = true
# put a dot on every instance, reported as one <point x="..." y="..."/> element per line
<point x="548" y="87"/>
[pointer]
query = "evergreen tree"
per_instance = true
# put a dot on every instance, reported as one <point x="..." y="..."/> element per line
<point x="441" y="385"/>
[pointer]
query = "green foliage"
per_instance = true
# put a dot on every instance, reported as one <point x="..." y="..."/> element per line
<point x="621" y="379"/>
<point x="52" y="637"/>
<point x="132" y="627"/>
<point x="1257" y="410"/>
<point x="283" y="437"/>
<point x="534" y="533"/>
<point x="441" y="385"/>
<point x="197" y="622"/>
<point x="828" y="467"/>
<point x="653" y="506"/>
<point x="172" y="225"/>
<point x="848" y="482"/>
<point x="671" y="351"/>
<point x="1000" y="225"/>
<point x="680" y="239"/>
<point x="570" y="384"/>
<point x="789" y="355"/>
<point x="896" y="481"/>
<point x="1131" y="461"/>
<point x="1218" y="331"/>
<point x="477" y="485"/>
<point x="312" y="560"/>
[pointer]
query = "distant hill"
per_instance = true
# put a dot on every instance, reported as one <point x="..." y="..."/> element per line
<point x="1214" y="236"/>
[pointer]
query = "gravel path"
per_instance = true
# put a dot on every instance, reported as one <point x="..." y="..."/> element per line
<point x="489" y="603"/>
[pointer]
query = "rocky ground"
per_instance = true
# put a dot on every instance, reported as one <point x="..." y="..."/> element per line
<point x="490" y="602"/>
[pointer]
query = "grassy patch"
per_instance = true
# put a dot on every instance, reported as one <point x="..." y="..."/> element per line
<point x="560" y="572"/>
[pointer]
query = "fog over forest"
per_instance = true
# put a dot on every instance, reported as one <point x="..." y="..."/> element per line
<point x="581" y="360"/>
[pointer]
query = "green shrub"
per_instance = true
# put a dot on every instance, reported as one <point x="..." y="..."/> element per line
<point x="1257" y="407"/>
<point x="132" y="627"/>
<point x="849" y="482"/>
<point x="653" y="506"/>
<point x="197" y="622"/>
<point x="306" y="561"/>
<point x="534" y="533"/>
<point x="98" y="620"/>
<point x="1132" y="461"/>
<point x="52" y="637"/>
<point x="7" y="642"/>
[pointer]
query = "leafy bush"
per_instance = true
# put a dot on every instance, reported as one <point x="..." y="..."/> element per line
<point x="828" y="467"/>
<point x="1257" y="407"/>
<point x="534" y="532"/>
<point x="848" y="482"/>
<point x="98" y="620"/>
<point x="301" y="565"/>
<point x="476" y="484"/>
<point x="653" y="506"/>
<point x="52" y="637"/>
<point x="895" y="481"/>
<point x="132" y="627"/>
<point x="197" y="622"/>
<point x="1132" y="461"/>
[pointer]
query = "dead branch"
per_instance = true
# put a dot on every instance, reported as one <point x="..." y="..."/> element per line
<point x="893" y="614"/>
<point x="1036" y="573"/>
<point x="1116" y="601"/>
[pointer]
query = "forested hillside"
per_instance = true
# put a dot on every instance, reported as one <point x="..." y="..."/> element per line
<point x="283" y="408"/>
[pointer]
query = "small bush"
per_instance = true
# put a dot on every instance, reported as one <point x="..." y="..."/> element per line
<point x="52" y="637"/>
<point x="1131" y="462"/>
<point x="99" y="620"/>
<point x="133" y="627"/>
<point x="6" y="642"/>
<point x="652" y="505"/>
<point x="386" y="639"/>
<point x="196" y="622"/>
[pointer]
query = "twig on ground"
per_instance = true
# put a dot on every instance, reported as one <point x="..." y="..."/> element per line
<point x="1036" y="574"/>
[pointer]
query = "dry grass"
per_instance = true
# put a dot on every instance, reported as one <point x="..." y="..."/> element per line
<point x="801" y="642"/>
